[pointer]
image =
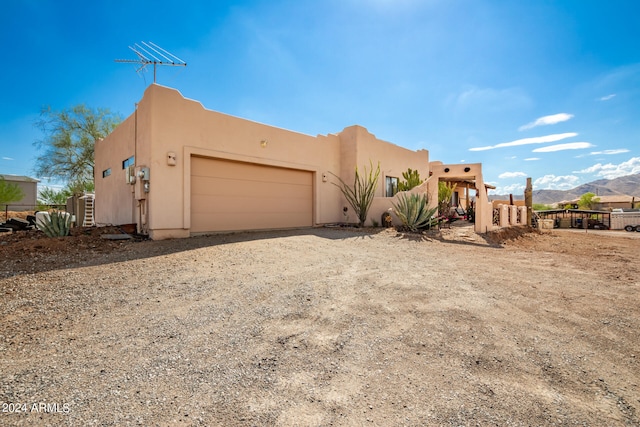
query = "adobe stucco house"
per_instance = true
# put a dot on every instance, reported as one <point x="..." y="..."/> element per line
<point x="177" y="169"/>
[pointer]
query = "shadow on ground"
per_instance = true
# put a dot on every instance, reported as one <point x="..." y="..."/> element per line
<point x="32" y="252"/>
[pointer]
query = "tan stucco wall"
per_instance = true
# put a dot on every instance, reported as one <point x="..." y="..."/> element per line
<point x="184" y="127"/>
<point x="465" y="172"/>
<point x="165" y="122"/>
<point x="362" y="149"/>
<point x="116" y="203"/>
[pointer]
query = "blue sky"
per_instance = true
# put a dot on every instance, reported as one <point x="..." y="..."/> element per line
<point x="539" y="88"/>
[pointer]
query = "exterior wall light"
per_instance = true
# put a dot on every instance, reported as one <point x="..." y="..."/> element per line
<point x="263" y="143"/>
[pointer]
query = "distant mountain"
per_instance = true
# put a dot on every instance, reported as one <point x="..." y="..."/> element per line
<point x="626" y="185"/>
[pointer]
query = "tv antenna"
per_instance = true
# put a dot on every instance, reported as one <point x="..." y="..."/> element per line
<point x="151" y="53"/>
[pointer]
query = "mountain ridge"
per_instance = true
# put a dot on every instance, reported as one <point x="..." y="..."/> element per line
<point x="628" y="185"/>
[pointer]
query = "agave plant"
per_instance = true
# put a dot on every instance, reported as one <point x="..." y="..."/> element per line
<point x="414" y="211"/>
<point x="56" y="224"/>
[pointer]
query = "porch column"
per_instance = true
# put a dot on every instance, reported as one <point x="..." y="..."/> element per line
<point x="513" y="219"/>
<point x="504" y="215"/>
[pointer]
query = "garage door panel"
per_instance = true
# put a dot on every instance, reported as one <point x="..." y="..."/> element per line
<point x="231" y="188"/>
<point x="239" y="171"/>
<point x="224" y="222"/>
<point x="243" y="204"/>
<point x="301" y="178"/>
<point x="227" y="195"/>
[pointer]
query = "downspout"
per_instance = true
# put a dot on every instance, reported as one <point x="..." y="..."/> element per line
<point x="135" y="160"/>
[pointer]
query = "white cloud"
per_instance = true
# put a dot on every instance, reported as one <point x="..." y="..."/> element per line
<point x="7" y="158"/>
<point x="608" y="97"/>
<point x="617" y="151"/>
<point x="526" y="141"/>
<point x="547" y="120"/>
<point x="611" y="171"/>
<point x="511" y="175"/>
<point x="553" y="182"/>
<point x="491" y="99"/>
<point x="531" y="159"/>
<point x="509" y="189"/>
<point x="560" y="147"/>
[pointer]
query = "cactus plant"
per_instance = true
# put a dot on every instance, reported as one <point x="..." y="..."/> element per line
<point x="412" y="179"/>
<point x="57" y="224"/>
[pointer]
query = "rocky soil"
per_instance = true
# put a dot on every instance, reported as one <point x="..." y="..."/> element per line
<point x="321" y="327"/>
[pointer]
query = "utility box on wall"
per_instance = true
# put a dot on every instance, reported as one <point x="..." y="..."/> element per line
<point x="142" y="185"/>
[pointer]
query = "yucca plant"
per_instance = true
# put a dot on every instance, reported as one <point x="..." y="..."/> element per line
<point x="57" y="224"/>
<point x="414" y="211"/>
<point x="360" y="196"/>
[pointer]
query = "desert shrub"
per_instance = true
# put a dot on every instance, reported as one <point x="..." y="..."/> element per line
<point x="56" y="224"/>
<point x="360" y="195"/>
<point x="414" y="211"/>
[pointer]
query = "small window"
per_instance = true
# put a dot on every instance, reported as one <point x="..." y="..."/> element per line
<point x="126" y="163"/>
<point x="391" y="186"/>
<point x="106" y="173"/>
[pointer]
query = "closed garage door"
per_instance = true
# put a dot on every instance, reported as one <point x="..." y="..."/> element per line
<point x="228" y="195"/>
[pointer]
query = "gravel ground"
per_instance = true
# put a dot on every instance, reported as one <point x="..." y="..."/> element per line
<point x="321" y="327"/>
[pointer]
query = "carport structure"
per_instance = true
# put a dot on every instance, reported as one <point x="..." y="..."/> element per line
<point x="577" y="218"/>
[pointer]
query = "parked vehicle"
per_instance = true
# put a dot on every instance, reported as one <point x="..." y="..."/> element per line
<point x="632" y="228"/>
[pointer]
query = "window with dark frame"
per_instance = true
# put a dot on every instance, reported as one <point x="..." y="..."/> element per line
<point x="391" y="186"/>
<point x="106" y="172"/>
<point x="128" y="162"/>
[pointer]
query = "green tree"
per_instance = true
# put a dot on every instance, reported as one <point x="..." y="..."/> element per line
<point x="69" y="141"/>
<point x="50" y="196"/>
<point x="588" y="201"/>
<point x="411" y="180"/>
<point x="9" y="192"/>
<point x="360" y="195"/>
<point x="541" y="207"/>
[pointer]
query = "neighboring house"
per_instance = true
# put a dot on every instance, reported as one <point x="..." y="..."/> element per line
<point x="29" y="187"/>
<point x="607" y="203"/>
<point x="177" y="169"/>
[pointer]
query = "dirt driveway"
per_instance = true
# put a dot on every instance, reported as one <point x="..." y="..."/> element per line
<point x="322" y="327"/>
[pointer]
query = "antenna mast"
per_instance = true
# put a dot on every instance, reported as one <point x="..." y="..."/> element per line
<point x="151" y="53"/>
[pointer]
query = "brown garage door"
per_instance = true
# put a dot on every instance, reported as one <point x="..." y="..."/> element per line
<point x="228" y="195"/>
